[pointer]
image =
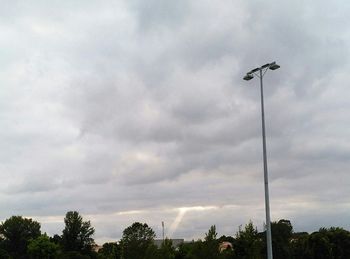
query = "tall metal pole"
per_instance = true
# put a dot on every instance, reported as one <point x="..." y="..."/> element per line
<point x="247" y="77"/>
<point x="266" y="180"/>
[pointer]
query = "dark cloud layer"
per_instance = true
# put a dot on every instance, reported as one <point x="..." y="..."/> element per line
<point x="134" y="110"/>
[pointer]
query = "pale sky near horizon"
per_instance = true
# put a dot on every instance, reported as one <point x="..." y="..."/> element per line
<point x="136" y="111"/>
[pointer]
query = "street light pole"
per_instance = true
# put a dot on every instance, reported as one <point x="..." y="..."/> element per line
<point x="250" y="75"/>
<point x="266" y="179"/>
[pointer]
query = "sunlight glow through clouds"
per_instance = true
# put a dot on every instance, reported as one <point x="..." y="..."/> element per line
<point x="181" y="214"/>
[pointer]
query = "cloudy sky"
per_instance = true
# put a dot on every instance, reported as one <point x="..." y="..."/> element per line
<point x="136" y="110"/>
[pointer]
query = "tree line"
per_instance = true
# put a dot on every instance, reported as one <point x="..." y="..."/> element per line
<point x="21" y="238"/>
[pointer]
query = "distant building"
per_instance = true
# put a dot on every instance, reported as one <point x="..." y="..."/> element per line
<point x="176" y="242"/>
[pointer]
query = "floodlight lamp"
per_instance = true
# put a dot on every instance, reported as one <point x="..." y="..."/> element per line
<point x="248" y="77"/>
<point x="274" y="66"/>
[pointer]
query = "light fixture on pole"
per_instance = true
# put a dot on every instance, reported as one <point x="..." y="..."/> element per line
<point x="250" y="75"/>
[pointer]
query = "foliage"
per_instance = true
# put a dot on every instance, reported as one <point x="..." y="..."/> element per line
<point x="77" y="234"/>
<point x="319" y="246"/>
<point x="211" y="244"/>
<point x="248" y="243"/>
<point x="183" y="251"/>
<point x="73" y="255"/>
<point x="56" y="239"/>
<point x="211" y="235"/>
<point x="152" y="252"/>
<point x="207" y="249"/>
<point x="4" y="254"/>
<point x="298" y="245"/>
<point x="326" y="243"/>
<point x="109" y="251"/>
<point x="339" y="240"/>
<point x="16" y="232"/>
<point x="42" y="247"/>
<point x="167" y="251"/>
<point x="136" y="240"/>
<point x="281" y="234"/>
<point x="196" y="251"/>
<point x="20" y="238"/>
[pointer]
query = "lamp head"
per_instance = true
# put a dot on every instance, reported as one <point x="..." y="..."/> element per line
<point x="248" y="77"/>
<point x="274" y="66"/>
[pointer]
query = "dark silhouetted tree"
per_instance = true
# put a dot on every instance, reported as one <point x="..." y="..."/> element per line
<point x="248" y="243"/>
<point x="135" y="241"/>
<point x="211" y="244"/>
<point x="282" y="232"/>
<point x="318" y="246"/>
<point x="42" y="247"/>
<point x="77" y="234"/>
<point x="110" y="251"/>
<point x="183" y="251"/>
<point x="16" y="232"/>
<point x="167" y="251"/>
<point x="340" y="241"/>
<point x="298" y="245"/>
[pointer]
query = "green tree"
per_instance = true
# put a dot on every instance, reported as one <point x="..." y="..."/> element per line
<point x="77" y="234"/>
<point x="183" y="251"/>
<point x="211" y="244"/>
<point x="4" y="254"/>
<point x="73" y="255"/>
<point x="16" y="232"/>
<point x="135" y="241"/>
<point x="319" y="246"/>
<point x="340" y="241"/>
<point x="299" y="245"/>
<point x="56" y="239"/>
<point x="211" y="235"/>
<point x="167" y="250"/>
<point x="109" y="251"/>
<point x="248" y="244"/>
<point x="152" y="252"/>
<point x="282" y="232"/>
<point x="197" y="250"/>
<point x="42" y="247"/>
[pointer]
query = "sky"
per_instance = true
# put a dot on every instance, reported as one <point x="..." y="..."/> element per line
<point x="134" y="110"/>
